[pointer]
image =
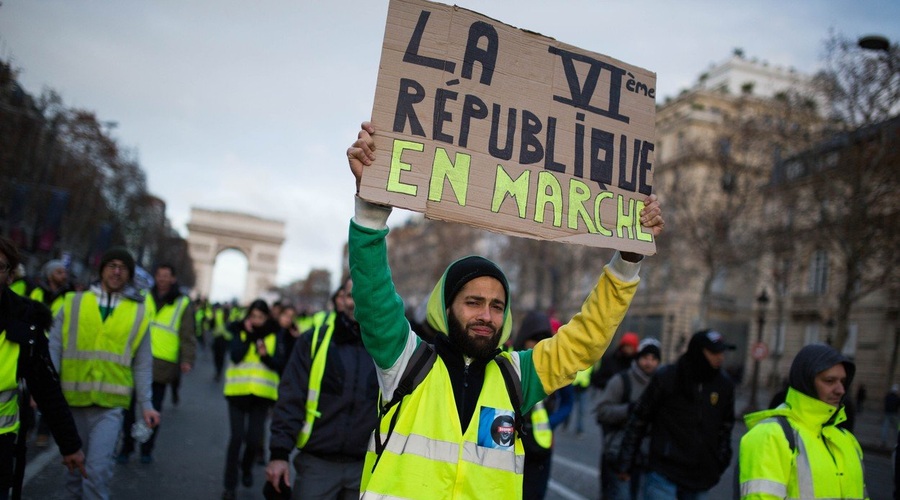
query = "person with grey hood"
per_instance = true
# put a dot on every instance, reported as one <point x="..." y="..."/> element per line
<point x="616" y="403"/>
<point x="797" y="450"/>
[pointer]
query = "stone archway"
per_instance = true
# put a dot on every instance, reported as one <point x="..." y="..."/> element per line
<point x="210" y="232"/>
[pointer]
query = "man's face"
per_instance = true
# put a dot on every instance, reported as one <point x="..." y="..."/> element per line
<point x="648" y="363"/>
<point x="164" y="279"/>
<point x="830" y="384"/>
<point x="715" y="359"/>
<point x="114" y="276"/>
<point x="476" y="316"/>
<point x="627" y="349"/>
<point x="59" y="276"/>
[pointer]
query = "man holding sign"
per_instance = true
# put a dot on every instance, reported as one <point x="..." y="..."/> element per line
<point x="448" y="408"/>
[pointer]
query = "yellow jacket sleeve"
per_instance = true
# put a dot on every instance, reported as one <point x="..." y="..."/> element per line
<point x="582" y="341"/>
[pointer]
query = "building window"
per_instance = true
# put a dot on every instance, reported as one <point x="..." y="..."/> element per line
<point x="849" y="348"/>
<point x="811" y="336"/>
<point x="818" y="273"/>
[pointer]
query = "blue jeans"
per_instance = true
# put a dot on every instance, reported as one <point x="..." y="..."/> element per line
<point x="659" y="487"/>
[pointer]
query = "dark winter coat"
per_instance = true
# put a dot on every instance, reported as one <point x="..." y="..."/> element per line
<point x="26" y="322"/>
<point x="689" y="407"/>
<point x="347" y="401"/>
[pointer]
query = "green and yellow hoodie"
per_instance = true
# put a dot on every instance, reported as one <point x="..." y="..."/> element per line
<point x="552" y="364"/>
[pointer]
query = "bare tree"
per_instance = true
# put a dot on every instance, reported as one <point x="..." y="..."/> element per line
<point x="856" y="202"/>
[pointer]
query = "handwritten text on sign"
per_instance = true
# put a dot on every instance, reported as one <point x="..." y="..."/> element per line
<point x="482" y="123"/>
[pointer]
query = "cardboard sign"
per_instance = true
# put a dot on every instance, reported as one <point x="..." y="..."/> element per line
<point x="486" y="124"/>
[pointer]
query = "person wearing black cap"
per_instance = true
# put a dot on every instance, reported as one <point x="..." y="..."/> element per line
<point x="824" y="460"/>
<point x="100" y="344"/>
<point x="689" y="408"/>
<point x="440" y="402"/>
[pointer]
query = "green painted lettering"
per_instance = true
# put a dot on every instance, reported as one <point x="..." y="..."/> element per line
<point x="397" y="166"/>
<point x="517" y="189"/>
<point x="456" y="172"/>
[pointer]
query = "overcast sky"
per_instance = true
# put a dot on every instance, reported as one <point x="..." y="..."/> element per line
<point x="249" y="106"/>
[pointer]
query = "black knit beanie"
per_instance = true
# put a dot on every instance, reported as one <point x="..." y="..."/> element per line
<point x="465" y="270"/>
<point x="118" y="253"/>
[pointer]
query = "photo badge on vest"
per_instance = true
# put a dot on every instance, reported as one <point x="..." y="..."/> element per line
<point x="497" y="429"/>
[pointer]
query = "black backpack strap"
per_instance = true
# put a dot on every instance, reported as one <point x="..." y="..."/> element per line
<point x="417" y="369"/>
<point x="626" y="386"/>
<point x="788" y="432"/>
<point x="514" y="388"/>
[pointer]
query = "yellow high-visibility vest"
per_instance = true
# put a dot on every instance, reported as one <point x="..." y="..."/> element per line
<point x="97" y="354"/>
<point x="540" y="426"/>
<point x="38" y="295"/>
<point x="251" y="376"/>
<point x="164" y="327"/>
<point x="427" y="456"/>
<point x="319" y="355"/>
<point x="9" y="388"/>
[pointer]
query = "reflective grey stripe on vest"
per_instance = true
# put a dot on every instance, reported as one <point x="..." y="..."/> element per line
<point x="7" y="396"/>
<point x="448" y="452"/>
<point x="97" y="385"/>
<point x="804" y="471"/>
<point x="170" y="327"/>
<point x="8" y="420"/>
<point x="254" y="380"/>
<point x="72" y="352"/>
<point x="767" y="486"/>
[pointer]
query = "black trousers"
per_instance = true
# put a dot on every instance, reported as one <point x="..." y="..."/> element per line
<point x="7" y="461"/>
<point x="247" y="416"/>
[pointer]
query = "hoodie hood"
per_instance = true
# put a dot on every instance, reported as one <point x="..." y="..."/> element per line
<point x="437" y="305"/>
<point x="536" y="326"/>
<point x="812" y="360"/>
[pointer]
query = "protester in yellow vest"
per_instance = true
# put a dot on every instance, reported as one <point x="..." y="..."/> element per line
<point x="824" y="461"/>
<point x="100" y="344"/>
<point x="53" y="287"/>
<point x="221" y="338"/>
<point x="451" y="435"/>
<point x="24" y="355"/>
<point x="174" y="347"/>
<point x="326" y="408"/>
<point x="544" y="417"/>
<point x="251" y="388"/>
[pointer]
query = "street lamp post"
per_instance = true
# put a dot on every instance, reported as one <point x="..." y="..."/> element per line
<point x="762" y="301"/>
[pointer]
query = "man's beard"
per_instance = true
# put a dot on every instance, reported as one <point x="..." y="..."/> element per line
<point x="474" y="347"/>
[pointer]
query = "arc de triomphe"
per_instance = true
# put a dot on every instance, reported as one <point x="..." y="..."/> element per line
<point x="210" y="232"/>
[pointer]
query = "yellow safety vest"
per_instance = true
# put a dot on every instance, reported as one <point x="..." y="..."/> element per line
<point x="540" y="426"/>
<point x="319" y="355"/>
<point x="826" y="463"/>
<point x="164" y="327"/>
<point x="38" y="295"/>
<point x="9" y="388"/>
<point x="19" y="287"/>
<point x="583" y="378"/>
<point x="251" y="376"/>
<point x="220" y="328"/>
<point x="427" y="456"/>
<point x="97" y="354"/>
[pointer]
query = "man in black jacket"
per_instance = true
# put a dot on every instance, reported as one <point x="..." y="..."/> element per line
<point x="689" y="407"/>
<point x="329" y="465"/>
<point x="23" y="323"/>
